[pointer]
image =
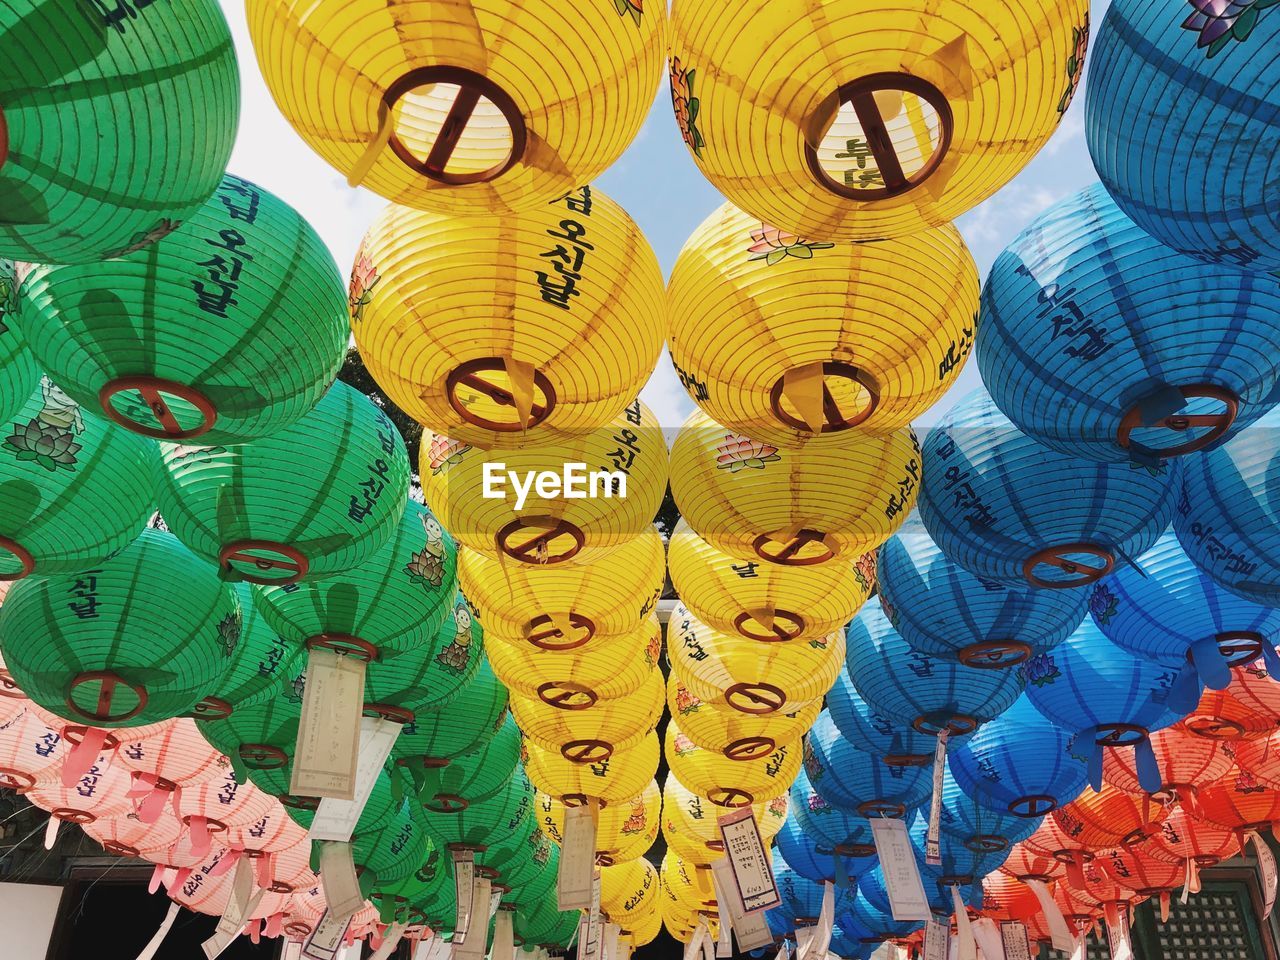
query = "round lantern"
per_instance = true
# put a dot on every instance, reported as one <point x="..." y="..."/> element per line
<point x="128" y="836"/>
<point x="801" y="896"/>
<point x="564" y="606"/>
<point x="76" y="490"/>
<point x="766" y="601"/>
<point x="100" y="793"/>
<point x="804" y="505"/>
<point x="856" y="781"/>
<point x="392" y="851"/>
<point x="1007" y="508"/>
<point x="1186" y="762"/>
<point x="878" y="924"/>
<point x="1098" y="820"/>
<point x="1220" y="715"/>
<point x="475" y="109"/>
<point x="1260" y="758"/>
<point x="475" y="825"/>
<point x="1257" y="690"/>
<point x="624" y="830"/>
<point x="690" y="821"/>
<point x="731" y="781"/>
<point x="974" y="825"/>
<point x="479" y="774"/>
<point x="228" y="329"/>
<point x="1106" y="696"/>
<point x="910" y="687"/>
<point x="811" y="860"/>
<point x="629" y="892"/>
<point x="261" y="738"/>
<point x="964" y="863"/>
<point x="546" y="927"/>
<point x="574" y="316"/>
<point x="611" y="481"/>
<point x="1050" y="844"/>
<point x="835" y="830"/>
<point x="166" y="762"/>
<point x="870" y="731"/>
<point x="1164" y="83"/>
<point x="1005" y="898"/>
<point x="618" y="778"/>
<point x="805" y="116"/>
<point x="611" y="668"/>
<point x="260" y="665"/>
<point x="74" y="195"/>
<point x="770" y="336"/>
<point x="316" y="499"/>
<point x="31" y="753"/>
<point x="1019" y="763"/>
<point x="945" y="611"/>
<point x="571" y="718"/>
<point x="1137" y="871"/>
<point x="733" y="732"/>
<point x="472" y="718"/>
<point x="1238" y="802"/>
<point x="1101" y="342"/>
<point x="1186" y="839"/>
<point x="111" y="647"/>
<point x="18" y="373"/>
<point x="1026" y="862"/>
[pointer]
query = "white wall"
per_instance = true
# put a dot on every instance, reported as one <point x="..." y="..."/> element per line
<point x="27" y="912"/>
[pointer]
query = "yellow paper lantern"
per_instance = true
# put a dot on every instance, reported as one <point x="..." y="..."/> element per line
<point x="861" y="120"/>
<point x="754" y="677"/>
<point x="756" y="600"/>
<point x="631" y="896"/>
<point x="624" y="830"/>
<point x="781" y="338"/>
<point x="688" y="890"/>
<point x="486" y="327"/>
<point x="566" y="605"/>
<point x="464" y="106"/>
<point x="612" y="480"/>
<point x="689" y="821"/>
<point x="731" y="732"/>
<point x="821" y="500"/>
<point x="615" y="780"/>
<point x="728" y="782"/>
<point x="610" y="668"/>
<point x="569" y="717"/>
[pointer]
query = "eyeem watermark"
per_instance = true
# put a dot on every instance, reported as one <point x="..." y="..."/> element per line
<point x="575" y="482"/>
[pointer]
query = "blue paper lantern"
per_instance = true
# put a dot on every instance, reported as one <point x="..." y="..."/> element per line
<point x="859" y="782"/>
<point x="832" y="828"/>
<point x="1101" y="342"/>
<point x="1020" y="763"/>
<point x="963" y="864"/>
<point x="871" y="890"/>
<point x="1181" y="118"/>
<point x="807" y="856"/>
<point x="943" y="610"/>
<point x="1007" y="508"/>
<point x="877" y="921"/>
<point x="979" y="828"/>
<point x="910" y="687"/>
<point x="847" y="940"/>
<point x="1171" y="612"/>
<point x="872" y="732"/>
<point x="1107" y="697"/>
<point x="802" y="897"/>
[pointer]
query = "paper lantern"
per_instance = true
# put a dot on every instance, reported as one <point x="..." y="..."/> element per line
<point x="110" y="647"/>
<point x="477" y="775"/>
<point x="75" y="489"/>
<point x="476" y="825"/>
<point x="611" y="482"/>
<point x="564" y="606"/>
<point x="1184" y="838"/>
<point x="316" y="499"/>
<point x="1259" y="758"/>
<point x="766" y="601"/>
<point x="1164" y="82"/>
<point x="575" y="317"/>
<point x="1101" y="342"/>
<point x="900" y="744"/>
<point x="833" y="828"/>
<point x="732" y="732"/>
<point x="729" y="781"/>
<point x="1005" y="899"/>
<point x="1019" y="764"/>
<point x="1237" y="802"/>
<point x="1186" y="763"/>
<point x="1109" y="817"/>
<point x="73" y="195"/>
<point x="808" y="118"/>
<point x="473" y="717"/>
<point x="879" y="925"/>
<point x="1221" y="716"/>
<point x="128" y="836"/>
<point x="547" y="927"/>
<point x="18" y="373"/>
<point x="1026" y="862"/>
<point x="31" y="754"/>
<point x="260" y="741"/>
<point x="392" y="851"/>
<point x="629" y="892"/>
<point x="583" y="727"/>
<point x="964" y="864"/>
<point x="690" y="821"/>
<point x="624" y="830"/>
<point x="100" y="793"/>
<point x="811" y="860"/>
<point x="910" y="687"/>
<point x="610" y="668"/>
<point x="261" y="664"/>
<point x="689" y="886"/>
<point x="860" y="782"/>
<point x="228" y="329"/>
<point x="1050" y="844"/>
<point x="1140" y="873"/>
<point x="446" y="110"/>
<point x="168" y="761"/>
<point x="1225" y="510"/>
<point x="974" y="825"/>
<point x="945" y="611"/>
<point x="802" y="897"/>
<point x="212" y="808"/>
<point x="620" y="777"/>
<point x="1007" y="508"/>
<point x="731" y="672"/>
<point x="1257" y="690"/>
<point x="781" y="337"/>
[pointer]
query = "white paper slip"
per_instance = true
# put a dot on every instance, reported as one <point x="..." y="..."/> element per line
<point x="390" y="940"/>
<point x="624" y="950"/>
<point x="240" y="904"/>
<point x="324" y="763"/>
<point x="750" y="929"/>
<point x="336" y="819"/>
<point x="966" y="944"/>
<point x="988" y="938"/>
<point x="901" y="873"/>
<point x="440" y="950"/>
<point x="609" y="951"/>
<point x="752" y="869"/>
<point x="476" y="944"/>
<point x="1060" y="934"/>
<point x="1016" y="944"/>
<point x="595" y="923"/>
<point x="577" y="858"/>
<point x="693" y="949"/>
<point x="1118" y="937"/>
<point x="166" y="924"/>
<point x="1267" y="864"/>
<point x="932" y="843"/>
<point x="326" y="939"/>
<point x="292" y="950"/>
<point x="464" y="882"/>
<point x="937" y="939"/>
<point x="724" y="942"/>
<point x="339" y="880"/>
<point x="820" y="942"/>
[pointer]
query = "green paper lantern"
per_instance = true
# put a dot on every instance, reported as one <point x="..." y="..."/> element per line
<point x="260" y="737"/>
<point x="396" y="901"/>
<point x="532" y="875"/>
<point x="73" y="490"/>
<point x="138" y="639"/>
<point x="544" y="925"/>
<point x="18" y="373"/>
<point x="262" y="663"/>
<point x="316" y="499"/>
<point x="390" y="852"/>
<point x="116" y="120"/>
<point x="497" y="824"/>
<point x="386" y="609"/>
<point x="471" y="720"/>
<point x="229" y="329"/>
<point x="478" y="775"/>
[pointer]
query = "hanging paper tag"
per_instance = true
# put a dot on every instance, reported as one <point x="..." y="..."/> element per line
<point x="439" y="950"/>
<point x="390" y="941"/>
<point x="240" y="905"/>
<point x="1014" y="937"/>
<point x="1077" y="952"/>
<point x="595" y="924"/>
<point x="966" y="945"/>
<point x="932" y="844"/>
<point x="610" y="949"/>
<point x="988" y="938"/>
<point x="327" y="937"/>
<point x="339" y="880"/>
<point x="1059" y="933"/>
<point x="153" y="944"/>
<point x="577" y="858"/>
<point x="708" y="946"/>
<point x="292" y="950"/>
<point x="751" y="929"/>
<point x="1267" y="864"/>
<point x="1118" y="936"/>
<point x="324" y="763"/>
<point x="752" y="869"/>
<point x="336" y="819"/>
<point x="477" y="940"/>
<point x="624" y="950"/>
<point x="693" y="949"/>
<point x="820" y="941"/>
<point x="937" y="939"/>
<point x="901" y="872"/>
<point x="464" y="874"/>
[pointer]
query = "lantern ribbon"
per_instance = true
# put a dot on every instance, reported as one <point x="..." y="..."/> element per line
<point x="155" y="792"/>
<point x="803" y="386"/>
<point x="1118" y="932"/>
<point x="1211" y="666"/>
<point x="157" y="877"/>
<point x="361" y="168"/>
<point x="1059" y="932"/>
<point x="201" y="840"/>
<point x="153" y="944"/>
<point x="1164" y="906"/>
<point x="967" y="947"/>
<point x="389" y="942"/>
<point x="1144" y="757"/>
<point x="83" y="755"/>
<point x="1192" y="884"/>
<point x="51" y="832"/>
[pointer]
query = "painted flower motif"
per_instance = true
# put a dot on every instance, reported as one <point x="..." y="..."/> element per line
<point x="742" y="453"/>
<point x="1042" y="670"/>
<point x="364" y="277"/>
<point x="812" y="765"/>
<point x="229" y="631"/>
<point x="8" y="292"/>
<point x="1075" y="63"/>
<point x="685" y="105"/>
<point x="1247" y="783"/>
<point x="48" y="445"/>
<point x="683" y="745"/>
<point x="444" y="452"/>
<point x="425" y="568"/>
<point x="1103" y="604"/>
<point x="865" y="571"/>
<point x="820" y="643"/>
<point x="890" y="611"/>
<point x="636" y="822"/>
<point x="818" y="805"/>
<point x="777" y="808"/>
<point x="455" y="655"/>
<point x="630" y="8"/>
<point x="295" y="688"/>
<point x="144" y="238"/>
<point x="653" y="650"/>
<point x="541" y="848"/>
<point x="1218" y="22"/>
<point x="773" y="245"/>
<point x="686" y="702"/>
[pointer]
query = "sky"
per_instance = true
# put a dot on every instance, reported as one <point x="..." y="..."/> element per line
<point x="655" y="180"/>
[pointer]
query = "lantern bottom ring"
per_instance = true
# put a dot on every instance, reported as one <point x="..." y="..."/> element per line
<point x="344" y="644"/>
<point x="537" y="550"/>
<point x="120" y="849"/>
<point x="18" y="781"/>
<point x="468" y="374"/>
<point x="1118" y="734"/>
<point x="995" y="654"/>
<point x="153" y="391"/>
<point x="956" y="724"/>
<point x="387" y="711"/>
<point x="1057" y="555"/>
<point x="262" y="756"/>
<point x="295" y="802"/>
<point x="750" y="748"/>
<point x="297" y="930"/>
<point x="74" y="735"/>
<point x="1214" y="728"/>
<point x="71" y="815"/>
<point x="567" y="695"/>
<point x="447" y="803"/>
<point x="581" y="800"/>
<point x="1180" y="423"/>
<point x="1033" y="805"/>
<point x="1073" y="857"/>
<point x="463" y="847"/>
<point x="8" y="688"/>
<point x="256" y="555"/>
<point x="22" y="555"/>
<point x="784" y="625"/>
<point x="834" y="419"/>
<point x="854" y="850"/>
<point x="756" y="699"/>
<point x="882" y="808"/>
<point x="1137" y="835"/>
<point x="541" y="631"/>
<point x="790" y="553"/>
<point x="109" y="684"/>
<point x="908" y="759"/>
<point x="731" y="797"/>
<point x="987" y="843"/>
<point x="1238" y="647"/>
<point x="587" y="751"/>
<point x="211" y="708"/>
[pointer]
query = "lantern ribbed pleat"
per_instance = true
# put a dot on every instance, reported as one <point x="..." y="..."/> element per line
<point x="860" y="782"/>
<point x="630" y="896"/>
<point x="956" y="98"/>
<point x="576" y="721"/>
<point x="833" y="828"/>
<point x="1095" y="338"/>
<point x="888" y="325"/>
<point x="1260" y="758"/>
<point x="961" y="862"/>
<point x="1138" y="872"/>
<point x="472" y="718"/>
<point x="727" y="781"/>
<point x="558" y="94"/>
<point x="1007" y="508"/>
<point x="75" y="488"/>
<point x="1238" y="802"/>
<point x="178" y="754"/>
<point x="100" y="793"/>
<point x="1181" y="125"/>
<point x="614" y="780"/>
<point x="610" y="668"/>
<point x="128" y="836"/>
<point x="1220" y="715"/>
<point x="812" y="503"/>
<point x="71" y="191"/>
<point x="229" y="329"/>
<point x="478" y="775"/>
<point x="689" y="821"/>
<point x="490" y="820"/>
<point x="1182" y="837"/>
<point x="624" y="830"/>
<point x="31" y="754"/>
<point x="261" y="664"/>
<point x="316" y="499"/>
<point x="977" y="826"/>
<point x="1108" y="817"/>
<point x="943" y="610"/>
<point x="871" y="731"/>
<point x="579" y="348"/>
<point x="802" y="895"/>
<point x="18" y="373"/>
<point x="261" y="737"/>
<point x="111" y="646"/>
<point x="718" y="727"/>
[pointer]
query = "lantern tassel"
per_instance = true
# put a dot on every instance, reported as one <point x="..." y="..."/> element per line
<point x="361" y="168"/>
<point x="1164" y="906"/>
<point x="83" y="755"/>
<point x="201" y="840"/>
<point x="1211" y="665"/>
<point x="157" y="875"/>
<point x="1144" y="756"/>
<point x="1185" y="693"/>
<point x="229" y="859"/>
<point x="804" y="387"/>
<point x="51" y="832"/>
